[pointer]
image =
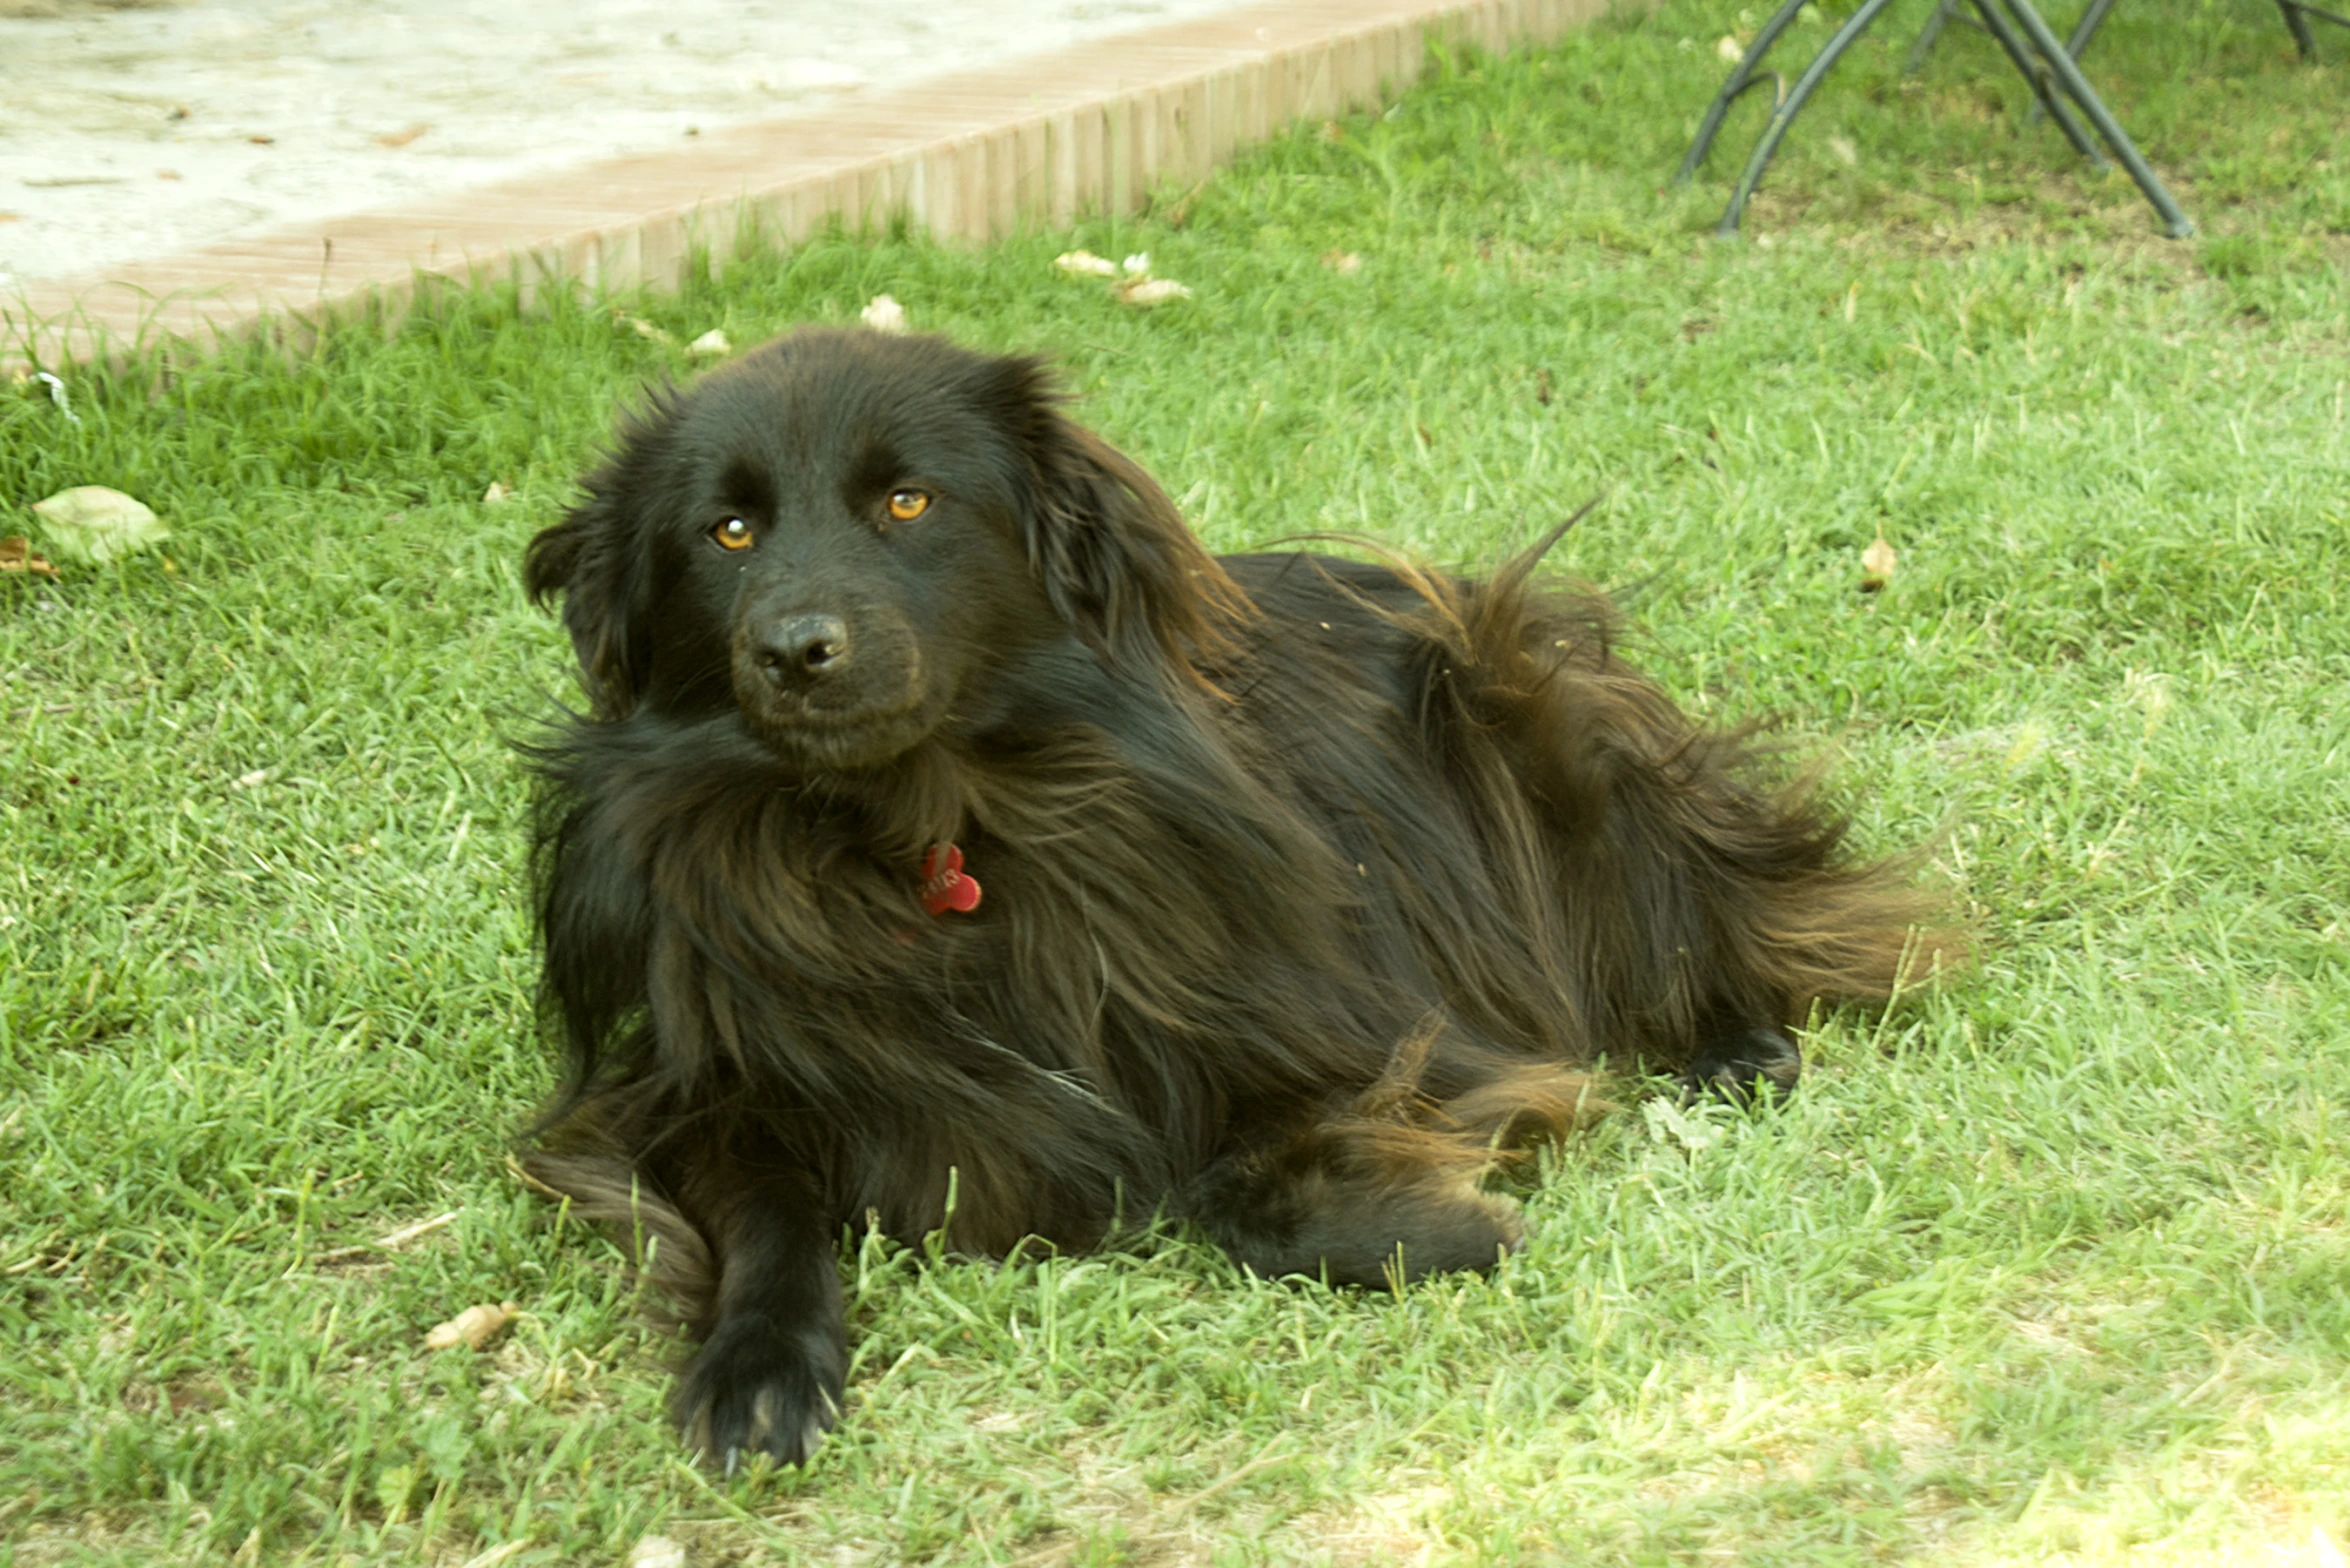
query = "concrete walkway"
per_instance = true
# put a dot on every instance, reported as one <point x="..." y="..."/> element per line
<point x="1049" y="135"/>
<point x="130" y="134"/>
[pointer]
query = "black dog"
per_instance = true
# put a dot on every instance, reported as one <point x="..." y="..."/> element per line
<point x="954" y="843"/>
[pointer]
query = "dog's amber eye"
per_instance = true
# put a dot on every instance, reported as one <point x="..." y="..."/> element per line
<point x="906" y="505"/>
<point x="733" y="534"/>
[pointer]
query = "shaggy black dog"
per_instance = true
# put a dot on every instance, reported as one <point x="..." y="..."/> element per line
<point x="954" y="843"/>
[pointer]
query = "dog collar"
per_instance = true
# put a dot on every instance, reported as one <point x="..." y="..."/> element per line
<point x="945" y="888"/>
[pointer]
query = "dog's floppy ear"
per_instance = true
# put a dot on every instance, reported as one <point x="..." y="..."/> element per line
<point x="594" y="559"/>
<point x="1115" y="557"/>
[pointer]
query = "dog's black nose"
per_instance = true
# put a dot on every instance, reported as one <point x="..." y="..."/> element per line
<point x="802" y="649"/>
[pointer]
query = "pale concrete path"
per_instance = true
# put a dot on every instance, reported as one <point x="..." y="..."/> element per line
<point x="971" y="153"/>
<point x="129" y="134"/>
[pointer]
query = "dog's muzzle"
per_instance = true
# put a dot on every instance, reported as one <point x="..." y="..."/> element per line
<point x="802" y="651"/>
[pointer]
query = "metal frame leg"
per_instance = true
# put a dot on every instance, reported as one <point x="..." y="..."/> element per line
<point x="2085" y="29"/>
<point x="1784" y="116"/>
<point x="1944" y="13"/>
<point x="2076" y="43"/>
<point x="1745" y="76"/>
<point x="2297" y="14"/>
<point x="2077" y="87"/>
<point x="2000" y="18"/>
<point x="2036" y="76"/>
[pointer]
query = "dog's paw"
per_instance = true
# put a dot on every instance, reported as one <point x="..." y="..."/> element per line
<point x="1737" y="1067"/>
<point x="761" y="1387"/>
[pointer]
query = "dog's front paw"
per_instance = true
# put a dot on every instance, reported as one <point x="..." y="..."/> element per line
<point x="762" y="1387"/>
<point x="1737" y="1067"/>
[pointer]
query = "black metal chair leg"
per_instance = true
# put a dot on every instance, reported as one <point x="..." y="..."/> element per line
<point x="1784" y="116"/>
<point x="2036" y="77"/>
<point x="1746" y="75"/>
<point x="2085" y="29"/>
<point x="2077" y="42"/>
<point x="2298" y="25"/>
<point x="2075" y="84"/>
<point x="1931" y="34"/>
<point x="2297" y="15"/>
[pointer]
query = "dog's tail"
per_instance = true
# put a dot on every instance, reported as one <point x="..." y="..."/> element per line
<point x="1681" y="881"/>
<point x="599" y="1183"/>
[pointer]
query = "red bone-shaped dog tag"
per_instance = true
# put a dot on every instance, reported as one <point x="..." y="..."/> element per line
<point x="944" y="886"/>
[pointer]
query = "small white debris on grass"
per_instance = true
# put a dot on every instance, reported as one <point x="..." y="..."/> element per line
<point x="495" y="493"/>
<point x="657" y="1551"/>
<point x="57" y="395"/>
<point x="1730" y="49"/>
<point x="1137" y="265"/>
<point x="884" y="314"/>
<point x="499" y="1554"/>
<point x="1085" y="264"/>
<point x="711" y="342"/>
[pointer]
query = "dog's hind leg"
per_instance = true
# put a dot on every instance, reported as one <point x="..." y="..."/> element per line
<point x="1385" y="1190"/>
<point x="1740" y="1064"/>
<point x="1355" y="1202"/>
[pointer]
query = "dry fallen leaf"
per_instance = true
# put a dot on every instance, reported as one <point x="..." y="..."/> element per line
<point x="1085" y="264"/>
<point x="645" y="329"/>
<point x="1342" y="261"/>
<point x="16" y="555"/>
<point x="711" y="342"/>
<point x="657" y="1551"/>
<point x="1846" y="153"/>
<point x="1876" y="565"/>
<point x="1146" y="292"/>
<point x="93" y="525"/>
<point x="404" y="137"/>
<point x="495" y="493"/>
<point x="474" y="1327"/>
<point x="884" y="314"/>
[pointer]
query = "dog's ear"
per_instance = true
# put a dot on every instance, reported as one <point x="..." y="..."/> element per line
<point x="1114" y="555"/>
<point x="594" y="559"/>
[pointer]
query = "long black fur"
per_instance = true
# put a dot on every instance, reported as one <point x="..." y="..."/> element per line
<point x="1309" y="885"/>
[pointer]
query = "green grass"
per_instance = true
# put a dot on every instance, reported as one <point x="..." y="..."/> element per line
<point x="2052" y="1265"/>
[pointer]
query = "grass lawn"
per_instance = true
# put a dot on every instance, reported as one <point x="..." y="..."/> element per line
<point x="2051" y="1265"/>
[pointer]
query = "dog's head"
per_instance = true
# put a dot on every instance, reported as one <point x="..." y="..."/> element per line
<point x="841" y="534"/>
